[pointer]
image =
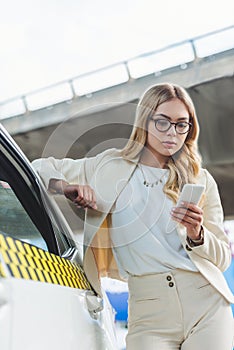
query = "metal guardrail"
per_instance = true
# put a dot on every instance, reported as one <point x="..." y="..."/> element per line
<point x="72" y="88"/>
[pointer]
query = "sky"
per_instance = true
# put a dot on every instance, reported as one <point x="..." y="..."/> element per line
<point x="47" y="41"/>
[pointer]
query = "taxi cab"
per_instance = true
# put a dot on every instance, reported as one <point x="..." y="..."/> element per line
<point x="46" y="300"/>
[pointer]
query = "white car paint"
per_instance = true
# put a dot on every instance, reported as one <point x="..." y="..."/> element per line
<point x="36" y="315"/>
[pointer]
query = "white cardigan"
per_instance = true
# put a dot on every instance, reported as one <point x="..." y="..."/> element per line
<point x="107" y="174"/>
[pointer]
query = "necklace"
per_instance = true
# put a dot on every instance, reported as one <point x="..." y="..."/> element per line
<point x="151" y="184"/>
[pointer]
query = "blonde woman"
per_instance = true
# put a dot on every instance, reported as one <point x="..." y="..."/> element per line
<point x="172" y="257"/>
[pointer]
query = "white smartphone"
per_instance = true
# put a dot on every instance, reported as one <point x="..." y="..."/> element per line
<point x="191" y="193"/>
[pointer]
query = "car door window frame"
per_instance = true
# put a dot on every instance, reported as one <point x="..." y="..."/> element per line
<point x="59" y="230"/>
<point x="30" y="202"/>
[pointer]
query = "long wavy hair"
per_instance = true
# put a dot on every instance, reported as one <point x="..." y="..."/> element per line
<point x="184" y="166"/>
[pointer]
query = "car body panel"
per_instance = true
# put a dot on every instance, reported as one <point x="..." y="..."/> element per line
<point x="67" y="325"/>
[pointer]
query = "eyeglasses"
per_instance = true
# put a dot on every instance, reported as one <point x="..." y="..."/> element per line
<point x="164" y="125"/>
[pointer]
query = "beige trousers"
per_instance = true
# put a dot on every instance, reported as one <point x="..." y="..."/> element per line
<point x="177" y="310"/>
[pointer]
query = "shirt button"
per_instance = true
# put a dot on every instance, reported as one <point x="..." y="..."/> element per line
<point x="169" y="278"/>
<point x="188" y="248"/>
<point x="171" y="284"/>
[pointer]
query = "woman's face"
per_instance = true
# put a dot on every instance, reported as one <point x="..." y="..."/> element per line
<point x="163" y="144"/>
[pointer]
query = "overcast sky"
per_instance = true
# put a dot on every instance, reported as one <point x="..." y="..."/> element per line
<point x="46" y="41"/>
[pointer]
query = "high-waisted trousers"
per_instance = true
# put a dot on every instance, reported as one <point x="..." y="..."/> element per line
<point x="177" y="310"/>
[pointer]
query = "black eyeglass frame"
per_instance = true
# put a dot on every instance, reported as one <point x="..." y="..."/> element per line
<point x="175" y="124"/>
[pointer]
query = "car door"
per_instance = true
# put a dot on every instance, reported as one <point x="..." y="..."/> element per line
<point x="46" y="301"/>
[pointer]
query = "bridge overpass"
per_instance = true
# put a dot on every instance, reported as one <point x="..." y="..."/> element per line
<point x="87" y="124"/>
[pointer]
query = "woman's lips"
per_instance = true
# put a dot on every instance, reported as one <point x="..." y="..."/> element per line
<point x="169" y="144"/>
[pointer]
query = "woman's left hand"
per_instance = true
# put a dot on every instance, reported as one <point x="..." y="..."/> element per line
<point x="191" y="216"/>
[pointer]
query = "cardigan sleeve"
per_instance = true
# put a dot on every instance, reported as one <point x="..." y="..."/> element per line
<point x="74" y="171"/>
<point x="216" y="247"/>
<point x="66" y="169"/>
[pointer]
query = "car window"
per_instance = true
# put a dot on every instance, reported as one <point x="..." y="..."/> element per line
<point x="14" y="219"/>
<point x="17" y="187"/>
<point x="31" y="204"/>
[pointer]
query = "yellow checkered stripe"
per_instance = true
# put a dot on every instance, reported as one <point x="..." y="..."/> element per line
<point x="31" y="263"/>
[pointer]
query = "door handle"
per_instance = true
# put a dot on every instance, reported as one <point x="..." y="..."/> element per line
<point x="94" y="304"/>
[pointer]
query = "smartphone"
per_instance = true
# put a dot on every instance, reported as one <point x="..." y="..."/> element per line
<point x="191" y="193"/>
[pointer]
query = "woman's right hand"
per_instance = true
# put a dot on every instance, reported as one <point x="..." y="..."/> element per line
<point x="82" y="196"/>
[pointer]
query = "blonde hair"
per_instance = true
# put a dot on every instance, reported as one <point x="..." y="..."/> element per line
<point x="184" y="166"/>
